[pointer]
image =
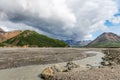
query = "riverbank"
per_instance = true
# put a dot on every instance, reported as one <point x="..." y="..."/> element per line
<point x="32" y="72"/>
<point x="104" y="73"/>
<point x="18" y="57"/>
<point x="112" y="57"/>
<point x="110" y="70"/>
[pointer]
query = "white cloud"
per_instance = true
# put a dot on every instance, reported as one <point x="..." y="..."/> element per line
<point x="118" y="2"/>
<point x="91" y="14"/>
<point x="115" y="20"/>
<point x="4" y="28"/>
<point x="65" y="19"/>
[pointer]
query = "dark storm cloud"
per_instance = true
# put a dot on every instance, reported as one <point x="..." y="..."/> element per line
<point x="64" y="19"/>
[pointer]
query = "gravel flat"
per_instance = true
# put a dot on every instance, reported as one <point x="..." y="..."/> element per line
<point x="16" y="57"/>
<point x="32" y="72"/>
<point x="105" y="73"/>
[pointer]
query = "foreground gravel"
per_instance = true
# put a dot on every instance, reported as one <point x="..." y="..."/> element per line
<point x="32" y="72"/>
<point x="17" y="57"/>
<point x="110" y="72"/>
<point x="105" y="73"/>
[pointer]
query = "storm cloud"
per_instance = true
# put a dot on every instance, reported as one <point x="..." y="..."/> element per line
<point x="63" y="19"/>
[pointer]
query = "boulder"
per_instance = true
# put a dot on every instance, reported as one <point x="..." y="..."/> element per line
<point x="106" y="63"/>
<point x="57" y="68"/>
<point x="47" y="73"/>
<point x="89" y="66"/>
<point x="71" y="65"/>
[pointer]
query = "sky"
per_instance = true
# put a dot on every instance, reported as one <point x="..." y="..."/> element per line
<point x="62" y="19"/>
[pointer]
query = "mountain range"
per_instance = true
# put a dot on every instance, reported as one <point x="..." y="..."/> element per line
<point x="74" y="43"/>
<point x="28" y="38"/>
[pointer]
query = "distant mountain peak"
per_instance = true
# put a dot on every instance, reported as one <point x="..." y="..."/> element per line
<point x="74" y="43"/>
<point x="107" y="38"/>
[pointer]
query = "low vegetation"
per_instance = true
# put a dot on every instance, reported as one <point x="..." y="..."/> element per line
<point x="108" y="44"/>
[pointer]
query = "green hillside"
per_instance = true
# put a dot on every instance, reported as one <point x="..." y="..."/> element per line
<point x="33" y="39"/>
<point x="109" y="44"/>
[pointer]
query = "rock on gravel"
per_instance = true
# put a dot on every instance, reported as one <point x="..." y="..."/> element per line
<point x="70" y="66"/>
<point x="105" y="73"/>
<point x="48" y="72"/>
